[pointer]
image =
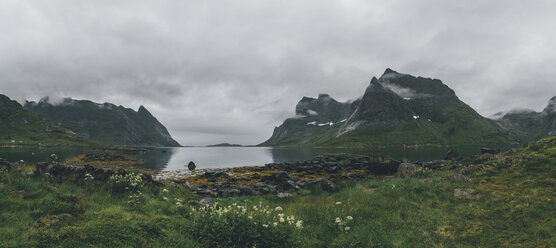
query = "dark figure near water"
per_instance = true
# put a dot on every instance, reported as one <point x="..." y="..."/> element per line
<point x="191" y="166"/>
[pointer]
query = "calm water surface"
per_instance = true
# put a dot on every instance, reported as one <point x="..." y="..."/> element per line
<point x="222" y="157"/>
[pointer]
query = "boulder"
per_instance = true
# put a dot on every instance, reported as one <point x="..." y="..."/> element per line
<point x="191" y="166"/>
<point x="207" y="201"/>
<point x="466" y="193"/>
<point x="284" y="195"/>
<point x="381" y="165"/>
<point x="451" y="155"/>
<point x="407" y="170"/>
<point x="326" y="184"/>
<point x="436" y="164"/>
<point x="5" y="165"/>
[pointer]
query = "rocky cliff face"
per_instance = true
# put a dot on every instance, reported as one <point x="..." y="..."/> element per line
<point x="395" y="109"/>
<point x="105" y="122"/>
<point x="528" y="125"/>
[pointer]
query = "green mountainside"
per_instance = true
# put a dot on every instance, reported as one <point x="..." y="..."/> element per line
<point x="396" y="109"/>
<point x="528" y="125"/>
<point x="105" y="122"/>
<point x="18" y="125"/>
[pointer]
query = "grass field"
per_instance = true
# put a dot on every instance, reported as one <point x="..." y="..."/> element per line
<point x="515" y="207"/>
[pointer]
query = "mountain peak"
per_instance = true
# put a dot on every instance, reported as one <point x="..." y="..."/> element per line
<point x="323" y="96"/>
<point x="389" y="71"/>
<point x="142" y="109"/>
<point x="551" y="107"/>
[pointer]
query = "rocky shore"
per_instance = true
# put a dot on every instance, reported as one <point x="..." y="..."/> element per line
<point x="275" y="178"/>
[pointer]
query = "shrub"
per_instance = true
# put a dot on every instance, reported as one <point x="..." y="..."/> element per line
<point x="131" y="182"/>
<point x="243" y="226"/>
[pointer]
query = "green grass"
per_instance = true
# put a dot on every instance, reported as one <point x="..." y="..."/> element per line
<point x="516" y="208"/>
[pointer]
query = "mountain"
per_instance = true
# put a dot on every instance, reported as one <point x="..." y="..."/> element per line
<point x="18" y="124"/>
<point x="105" y="122"/>
<point x="395" y="109"/>
<point x="528" y="125"/>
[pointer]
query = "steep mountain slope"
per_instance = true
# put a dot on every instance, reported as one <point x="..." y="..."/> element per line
<point x="106" y="122"/>
<point x="395" y="109"/>
<point x="528" y="125"/>
<point x="18" y="124"/>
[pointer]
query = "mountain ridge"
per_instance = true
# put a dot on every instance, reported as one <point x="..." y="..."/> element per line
<point x="105" y="122"/>
<point x="395" y="109"/>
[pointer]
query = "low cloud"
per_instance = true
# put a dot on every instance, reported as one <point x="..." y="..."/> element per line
<point x="222" y="71"/>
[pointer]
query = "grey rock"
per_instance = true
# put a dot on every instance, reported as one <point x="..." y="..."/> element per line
<point x="466" y="193"/>
<point x="407" y="170"/>
<point x="191" y="166"/>
<point x="207" y="201"/>
<point x="284" y="195"/>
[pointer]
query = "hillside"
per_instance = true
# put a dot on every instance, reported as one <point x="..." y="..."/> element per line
<point x="396" y="109"/>
<point x="529" y="125"/>
<point x="19" y="126"/>
<point x="105" y="122"/>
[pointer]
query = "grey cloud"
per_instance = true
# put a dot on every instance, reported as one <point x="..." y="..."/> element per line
<point x="221" y="71"/>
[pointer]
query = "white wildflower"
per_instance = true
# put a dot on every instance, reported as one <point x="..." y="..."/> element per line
<point x="349" y="218"/>
<point x="338" y="203"/>
<point x="338" y="220"/>
<point x="299" y="224"/>
<point x="278" y="208"/>
<point x="347" y="228"/>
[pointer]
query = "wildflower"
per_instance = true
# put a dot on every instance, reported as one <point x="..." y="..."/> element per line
<point x="250" y="217"/>
<point x="278" y="209"/>
<point x="265" y="225"/>
<point x="338" y="220"/>
<point x="275" y="223"/>
<point x="349" y="218"/>
<point x="393" y="186"/>
<point x="347" y="228"/>
<point x="299" y="224"/>
<point x="338" y="203"/>
<point x="165" y="198"/>
<point x="165" y="190"/>
<point x="282" y="219"/>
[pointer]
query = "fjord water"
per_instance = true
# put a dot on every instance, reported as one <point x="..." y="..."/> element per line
<point x="225" y="157"/>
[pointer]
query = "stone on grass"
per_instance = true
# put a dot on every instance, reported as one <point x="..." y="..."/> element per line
<point x="466" y="193"/>
<point x="407" y="170"/>
<point x="284" y="195"/>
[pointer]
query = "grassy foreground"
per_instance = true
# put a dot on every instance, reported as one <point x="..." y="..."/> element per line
<point x="515" y="207"/>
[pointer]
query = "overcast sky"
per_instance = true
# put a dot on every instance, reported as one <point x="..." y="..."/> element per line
<point x="229" y="71"/>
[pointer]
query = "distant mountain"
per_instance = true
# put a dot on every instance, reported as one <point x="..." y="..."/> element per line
<point x="105" y="122"/>
<point x="18" y="124"/>
<point x="225" y="145"/>
<point x="395" y="109"/>
<point x="528" y="125"/>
